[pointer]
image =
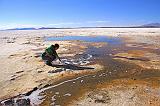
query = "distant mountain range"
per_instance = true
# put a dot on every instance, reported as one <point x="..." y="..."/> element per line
<point x="151" y="25"/>
<point x="23" y="29"/>
<point x="35" y="28"/>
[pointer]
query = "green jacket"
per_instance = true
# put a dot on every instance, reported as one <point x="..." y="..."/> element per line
<point x="51" y="51"/>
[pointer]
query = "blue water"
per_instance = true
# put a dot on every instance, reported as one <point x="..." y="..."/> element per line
<point x="110" y="40"/>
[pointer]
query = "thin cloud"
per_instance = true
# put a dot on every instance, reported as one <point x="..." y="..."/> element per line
<point x="61" y="24"/>
<point x="14" y="25"/>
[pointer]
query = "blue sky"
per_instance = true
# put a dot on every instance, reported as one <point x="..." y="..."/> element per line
<point x="77" y="13"/>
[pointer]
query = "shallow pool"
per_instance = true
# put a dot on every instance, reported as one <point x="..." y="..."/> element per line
<point x="110" y="40"/>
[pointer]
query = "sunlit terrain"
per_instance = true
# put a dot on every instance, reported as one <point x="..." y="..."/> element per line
<point x="107" y="66"/>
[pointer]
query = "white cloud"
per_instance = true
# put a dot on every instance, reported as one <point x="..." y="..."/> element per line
<point x="14" y="25"/>
<point x="61" y="24"/>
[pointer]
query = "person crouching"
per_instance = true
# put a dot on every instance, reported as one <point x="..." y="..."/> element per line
<point x="50" y="54"/>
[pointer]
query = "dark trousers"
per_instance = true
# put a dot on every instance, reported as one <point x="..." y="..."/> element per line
<point x="48" y="59"/>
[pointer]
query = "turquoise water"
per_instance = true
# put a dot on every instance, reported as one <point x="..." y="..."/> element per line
<point x="110" y="40"/>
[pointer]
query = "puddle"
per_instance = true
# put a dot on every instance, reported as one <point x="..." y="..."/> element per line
<point x="110" y="40"/>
